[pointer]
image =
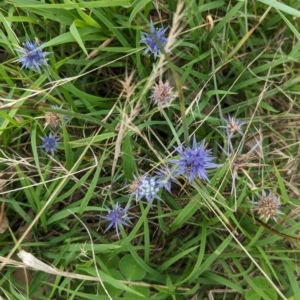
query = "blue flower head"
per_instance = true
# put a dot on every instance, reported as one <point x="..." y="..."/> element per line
<point x="32" y="57"/>
<point x="194" y="161"/>
<point x="50" y="143"/>
<point x="117" y="218"/>
<point x="145" y="186"/>
<point x="155" y="40"/>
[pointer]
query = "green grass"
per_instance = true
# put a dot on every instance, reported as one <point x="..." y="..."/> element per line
<point x="202" y="241"/>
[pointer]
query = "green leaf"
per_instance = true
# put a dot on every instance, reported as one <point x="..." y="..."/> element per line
<point x="267" y="107"/>
<point x="272" y="294"/>
<point x="283" y="7"/>
<point x="128" y="157"/>
<point x="89" y="20"/>
<point x="140" y="289"/>
<point x="219" y="92"/>
<point x="252" y="295"/>
<point x="108" y="279"/>
<point x="261" y="282"/>
<point x="71" y="5"/>
<point x="112" y="290"/>
<point x="130" y="268"/>
<point x="138" y="6"/>
<point x="184" y="215"/>
<point x="285" y="197"/>
<point x="226" y="19"/>
<point x="77" y="37"/>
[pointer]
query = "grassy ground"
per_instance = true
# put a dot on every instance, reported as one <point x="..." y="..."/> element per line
<point x="206" y="239"/>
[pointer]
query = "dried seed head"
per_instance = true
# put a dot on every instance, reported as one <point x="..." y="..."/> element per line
<point x="233" y="126"/>
<point x="134" y="186"/>
<point x="267" y="207"/>
<point x="52" y="119"/>
<point x="162" y="93"/>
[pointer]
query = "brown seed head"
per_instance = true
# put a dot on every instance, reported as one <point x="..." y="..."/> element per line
<point x="234" y="126"/>
<point x="268" y="207"/>
<point x="134" y="185"/>
<point x="52" y="119"/>
<point x="162" y="93"/>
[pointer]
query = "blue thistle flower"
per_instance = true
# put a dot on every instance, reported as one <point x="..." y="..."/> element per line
<point x="50" y="143"/>
<point x="233" y="126"/>
<point x="117" y="218"/>
<point x="267" y="207"/>
<point x="147" y="187"/>
<point x="32" y="57"/>
<point x="194" y="161"/>
<point x="166" y="177"/>
<point x="154" y="40"/>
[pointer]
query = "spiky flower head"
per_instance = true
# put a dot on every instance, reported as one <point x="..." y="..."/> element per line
<point x="233" y="126"/>
<point x="50" y="143"/>
<point x="155" y="40"/>
<point x="53" y="119"/>
<point x="32" y="57"/>
<point x="194" y="161"/>
<point x="165" y="176"/>
<point x="267" y="207"/>
<point x="146" y="186"/>
<point x="117" y="218"/>
<point x="162" y="93"/>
